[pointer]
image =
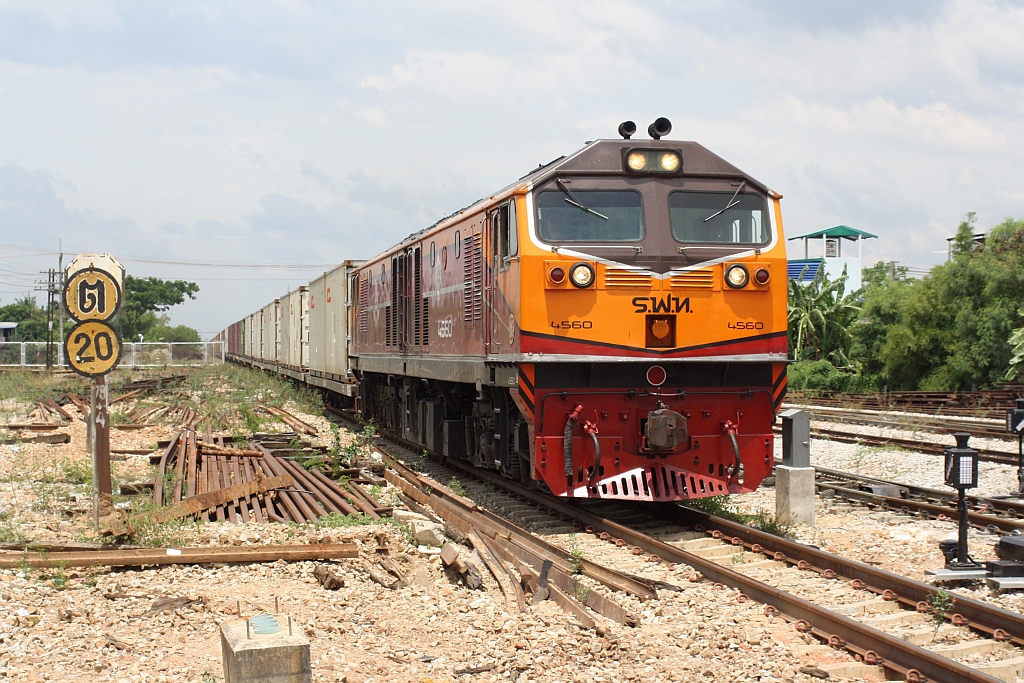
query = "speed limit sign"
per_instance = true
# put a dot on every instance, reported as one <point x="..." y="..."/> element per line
<point x="92" y="348"/>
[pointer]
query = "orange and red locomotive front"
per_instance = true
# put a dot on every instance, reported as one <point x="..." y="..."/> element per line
<point x="612" y="325"/>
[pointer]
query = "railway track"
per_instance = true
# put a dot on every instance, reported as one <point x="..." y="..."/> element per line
<point x="866" y="602"/>
<point x="927" y="447"/>
<point x="910" y="422"/>
<point x="1006" y="514"/>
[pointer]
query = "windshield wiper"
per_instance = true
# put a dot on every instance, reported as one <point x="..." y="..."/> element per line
<point x="728" y="204"/>
<point x="571" y="199"/>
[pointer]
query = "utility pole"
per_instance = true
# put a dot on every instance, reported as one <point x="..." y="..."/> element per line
<point x="60" y="270"/>
<point x="51" y="293"/>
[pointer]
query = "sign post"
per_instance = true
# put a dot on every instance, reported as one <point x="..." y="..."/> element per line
<point x="93" y="296"/>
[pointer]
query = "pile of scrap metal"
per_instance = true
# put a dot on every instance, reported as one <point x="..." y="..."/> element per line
<point x="258" y="480"/>
<point x="525" y="567"/>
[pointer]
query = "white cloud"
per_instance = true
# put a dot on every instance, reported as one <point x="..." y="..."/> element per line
<point x="275" y="128"/>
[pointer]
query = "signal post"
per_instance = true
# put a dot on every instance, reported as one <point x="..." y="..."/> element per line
<point x="92" y="296"/>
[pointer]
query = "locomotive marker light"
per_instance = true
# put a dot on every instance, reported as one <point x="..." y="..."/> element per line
<point x="92" y="296"/>
<point x="962" y="474"/>
<point x="1015" y="425"/>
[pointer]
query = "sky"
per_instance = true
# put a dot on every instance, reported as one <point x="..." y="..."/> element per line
<point x="246" y="146"/>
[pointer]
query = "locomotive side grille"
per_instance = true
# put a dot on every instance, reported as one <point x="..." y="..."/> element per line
<point x="417" y="297"/>
<point x="695" y="279"/>
<point x="623" y="278"/>
<point x="473" y="273"/>
<point x="426" y="322"/>
<point x="392" y="315"/>
<point x="364" y="303"/>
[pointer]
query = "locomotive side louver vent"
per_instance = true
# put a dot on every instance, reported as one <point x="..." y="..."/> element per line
<point x="473" y="273"/>
<point x="364" y="303"/>
<point x="426" y="322"/>
<point x="417" y="297"/>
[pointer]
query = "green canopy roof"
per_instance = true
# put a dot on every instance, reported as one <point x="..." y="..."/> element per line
<point x="837" y="231"/>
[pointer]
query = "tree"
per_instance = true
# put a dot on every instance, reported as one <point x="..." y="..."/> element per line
<point x="30" y="316"/>
<point x="145" y="297"/>
<point x="951" y="329"/>
<point x="820" y="315"/>
<point x="179" y="333"/>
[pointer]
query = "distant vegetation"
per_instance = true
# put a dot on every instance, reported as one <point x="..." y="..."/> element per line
<point x="145" y="304"/>
<point x="960" y="327"/>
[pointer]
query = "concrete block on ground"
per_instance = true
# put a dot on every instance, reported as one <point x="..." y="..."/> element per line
<point x="408" y="516"/>
<point x="794" y="495"/>
<point x="427" y="533"/>
<point x="273" y="658"/>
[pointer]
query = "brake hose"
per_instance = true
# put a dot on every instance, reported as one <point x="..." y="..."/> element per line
<point x="567" y="440"/>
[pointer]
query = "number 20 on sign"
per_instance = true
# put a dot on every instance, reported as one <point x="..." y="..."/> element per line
<point x="92" y="348"/>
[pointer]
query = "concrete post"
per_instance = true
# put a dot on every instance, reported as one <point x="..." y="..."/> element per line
<point x="275" y="658"/>
<point x="794" y="478"/>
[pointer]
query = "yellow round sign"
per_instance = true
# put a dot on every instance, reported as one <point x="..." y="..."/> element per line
<point x="92" y="348"/>
<point x="92" y="294"/>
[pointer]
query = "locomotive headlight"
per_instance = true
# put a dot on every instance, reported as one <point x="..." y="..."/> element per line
<point x="736" y="276"/>
<point x="582" y="275"/>
<point x="637" y="161"/>
<point x="670" y="161"/>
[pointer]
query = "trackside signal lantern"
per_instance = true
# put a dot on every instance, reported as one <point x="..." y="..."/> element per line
<point x="962" y="474"/>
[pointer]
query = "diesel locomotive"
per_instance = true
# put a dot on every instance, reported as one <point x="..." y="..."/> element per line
<point x="611" y="325"/>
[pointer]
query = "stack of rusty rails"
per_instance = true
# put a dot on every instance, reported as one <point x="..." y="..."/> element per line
<point x="153" y="383"/>
<point x="516" y="557"/>
<point x="79" y="404"/>
<point x="295" y="423"/>
<point x="990" y="403"/>
<point x="317" y="494"/>
<point x="185" y="471"/>
<point x="160" y="556"/>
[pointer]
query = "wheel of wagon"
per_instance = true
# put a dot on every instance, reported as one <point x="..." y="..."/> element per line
<point x="914" y="676"/>
<point x="756" y="548"/>
<point x="889" y="594"/>
<point x="923" y="607"/>
<point x="871" y="657"/>
<point x="959" y="620"/>
<point x="836" y="641"/>
<point x="803" y="564"/>
<point x="771" y="611"/>
<point x="829" y="574"/>
<point x="637" y="550"/>
<point x="857" y="584"/>
<point x="999" y="635"/>
<point x="802" y="626"/>
<point x="653" y="558"/>
<point x="716" y="534"/>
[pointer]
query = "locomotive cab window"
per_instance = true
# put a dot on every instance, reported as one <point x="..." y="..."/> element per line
<point x="590" y="216"/>
<point x="718" y="217"/>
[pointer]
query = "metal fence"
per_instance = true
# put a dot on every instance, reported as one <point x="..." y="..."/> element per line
<point x="136" y="355"/>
